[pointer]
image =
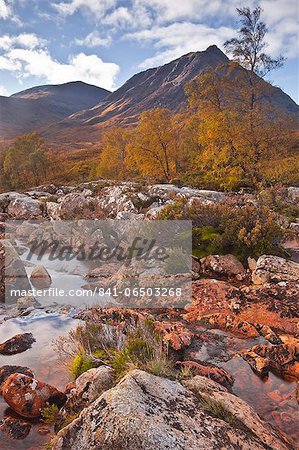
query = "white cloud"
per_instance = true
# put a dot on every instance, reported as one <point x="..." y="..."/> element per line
<point x="3" y="91"/>
<point x="179" y="38"/>
<point x="135" y="17"/>
<point x="23" y="40"/>
<point x="39" y="63"/>
<point x="5" y="9"/>
<point x="8" y="64"/>
<point x="96" y="7"/>
<point x="169" y="10"/>
<point x="94" y="40"/>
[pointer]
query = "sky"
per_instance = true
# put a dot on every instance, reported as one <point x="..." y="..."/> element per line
<point x="105" y="42"/>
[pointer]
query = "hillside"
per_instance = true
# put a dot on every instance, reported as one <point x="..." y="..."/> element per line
<point x="40" y="106"/>
<point x="158" y="87"/>
<point x="74" y="115"/>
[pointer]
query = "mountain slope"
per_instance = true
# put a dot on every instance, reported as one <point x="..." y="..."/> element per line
<point x="158" y="87"/>
<point x="40" y="106"/>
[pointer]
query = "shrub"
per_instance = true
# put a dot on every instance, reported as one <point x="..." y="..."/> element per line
<point x="139" y="346"/>
<point x="49" y="414"/>
<point x="241" y="229"/>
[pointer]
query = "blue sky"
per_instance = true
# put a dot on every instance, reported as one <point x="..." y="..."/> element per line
<point x="104" y="42"/>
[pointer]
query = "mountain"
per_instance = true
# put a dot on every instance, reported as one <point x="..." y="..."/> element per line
<point x="40" y="106"/>
<point x="158" y="87"/>
<point x="75" y="114"/>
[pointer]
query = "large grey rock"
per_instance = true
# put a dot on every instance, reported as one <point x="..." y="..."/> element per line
<point x="275" y="269"/>
<point x="239" y="409"/>
<point x="12" y="273"/>
<point x="8" y="197"/>
<point x="223" y="265"/>
<point x="88" y="387"/>
<point x="74" y="205"/>
<point x="293" y="192"/>
<point x="25" y="208"/>
<point x="115" y="200"/>
<point x="146" y="412"/>
<point x="40" y="277"/>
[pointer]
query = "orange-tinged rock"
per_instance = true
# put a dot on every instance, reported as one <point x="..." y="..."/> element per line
<point x="217" y="374"/>
<point x="28" y="396"/>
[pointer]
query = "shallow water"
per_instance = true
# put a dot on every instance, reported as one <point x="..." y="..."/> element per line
<point x="42" y="359"/>
<point x="273" y="398"/>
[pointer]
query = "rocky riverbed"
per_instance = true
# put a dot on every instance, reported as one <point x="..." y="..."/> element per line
<point x="236" y="342"/>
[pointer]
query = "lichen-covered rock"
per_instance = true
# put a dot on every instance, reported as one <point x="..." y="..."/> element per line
<point x="146" y="412"/>
<point x="176" y="334"/>
<point x="87" y="388"/>
<point x="232" y="323"/>
<point x="272" y="305"/>
<point x="75" y="205"/>
<point x="223" y="265"/>
<point x="25" y="208"/>
<point x="15" y="428"/>
<point x="6" y="371"/>
<point x="12" y="273"/>
<point x="283" y="359"/>
<point x="210" y="371"/>
<point x="40" y="278"/>
<point x="17" y="344"/>
<point x="243" y="414"/>
<point x="27" y="396"/>
<point x="275" y="269"/>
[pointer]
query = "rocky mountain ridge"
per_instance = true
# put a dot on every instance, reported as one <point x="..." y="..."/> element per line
<point x="34" y="108"/>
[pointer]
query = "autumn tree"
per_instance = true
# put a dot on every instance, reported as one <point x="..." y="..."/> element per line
<point x="25" y="162"/>
<point x="114" y="152"/>
<point x="248" y="48"/>
<point x="238" y="126"/>
<point x="156" y="148"/>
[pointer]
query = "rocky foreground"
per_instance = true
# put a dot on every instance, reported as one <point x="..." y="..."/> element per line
<point x="193" y="406"/>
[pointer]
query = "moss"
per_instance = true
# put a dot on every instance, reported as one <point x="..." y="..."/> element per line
<point x="50" y="414"/>
<point x="81" y="363"/>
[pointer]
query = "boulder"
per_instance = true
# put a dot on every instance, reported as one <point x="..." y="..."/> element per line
<point x="115" y="200"/>
<point x="282" y="359"/>
<point x="223" y="265"/>
<point x="86" y="389"/>
<point x="273" y="269"/>
<point x="18" y="344"/>
<point x="27" y="396"/>
<point x="239" y="411"/>
<point x="176" y="334"/>
<point x="25" y="208"/>
<point x="8" y="197"/>
<point x="40" y="278"/>
<point x="53" y="210"/>
<point x="293" y="192"/>
<point x="12" y="273"/>
<point x="15" y="428"/>
<point x="6" y="371"/>
<point x="27" y="302"/>
<point x="146" y="412"/>
<point x="210" y="371"/>
<point x="251" y="263"/>
<point x="75" y="205"/>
